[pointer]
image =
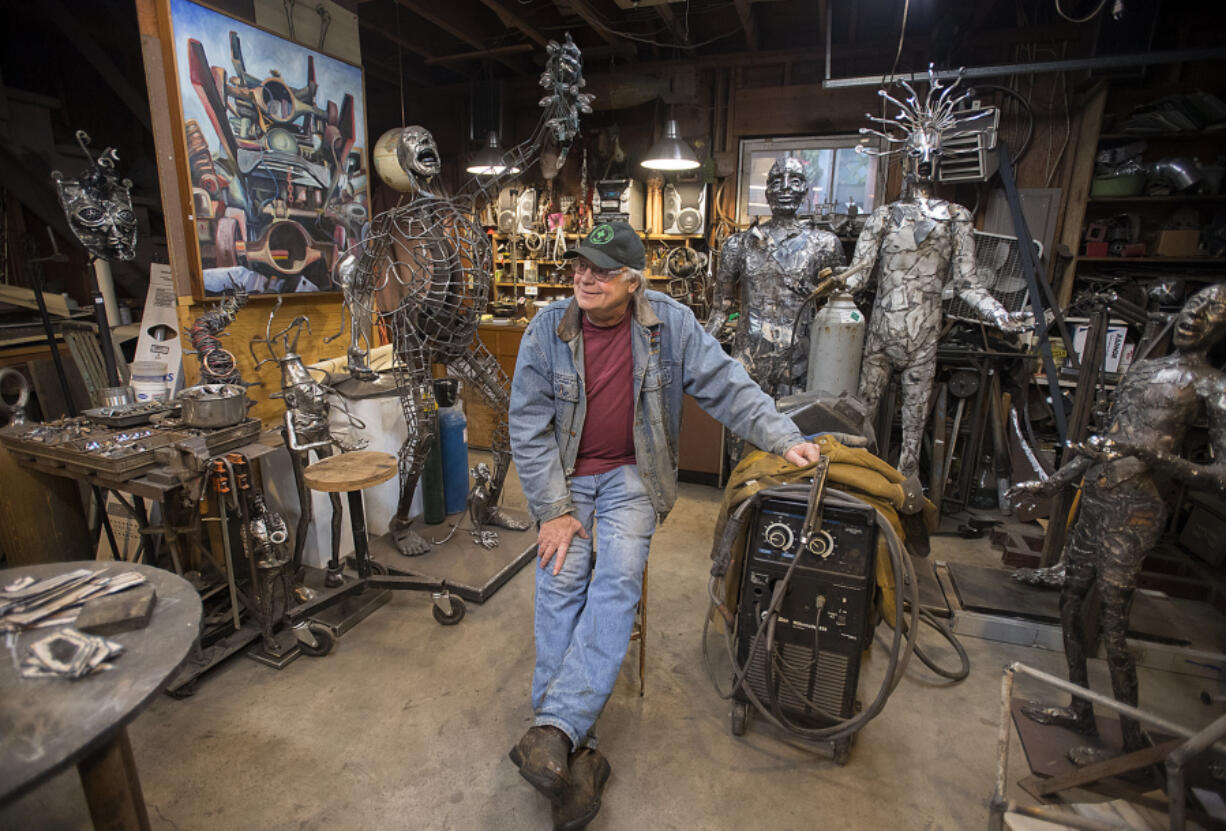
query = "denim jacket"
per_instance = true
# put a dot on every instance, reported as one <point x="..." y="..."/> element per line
<point x="672" y="355"/>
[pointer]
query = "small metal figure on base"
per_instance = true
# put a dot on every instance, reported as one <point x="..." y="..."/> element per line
<point x="426" y="269"/>
<point x="915" y="244"/>
<point x="777" y="264"/>
<point x="307" y="429"/>
<point x="1122" y="511"/>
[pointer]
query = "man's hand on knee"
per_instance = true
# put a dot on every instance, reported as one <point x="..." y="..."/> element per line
<point x="553" y="539"/>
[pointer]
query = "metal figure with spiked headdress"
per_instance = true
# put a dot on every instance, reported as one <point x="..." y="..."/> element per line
<point x="913" y="247"/>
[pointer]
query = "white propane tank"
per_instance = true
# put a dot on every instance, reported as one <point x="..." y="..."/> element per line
<point x="836" y="346"/>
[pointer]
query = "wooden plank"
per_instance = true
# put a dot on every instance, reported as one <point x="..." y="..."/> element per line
<point x="1079" y="186"/>
<point x="581" y="8"/>
<point x="23" y="297"/>
<point x="174" y="187"/>
<point x="457" y="32"/>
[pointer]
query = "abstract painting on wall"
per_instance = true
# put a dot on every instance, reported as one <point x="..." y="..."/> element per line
<point x="275" y="135"/>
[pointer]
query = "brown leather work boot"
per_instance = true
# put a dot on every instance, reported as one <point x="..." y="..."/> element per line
<point x="589" y="771"/>
<point x="541" y="759"/>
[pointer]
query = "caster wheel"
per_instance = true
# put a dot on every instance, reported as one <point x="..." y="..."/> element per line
<point x="740" y="717"/>
<point x="457" y="612"/>
<point x="842" y="751"/>
<point x="321" y="640"/>
<point x="332" y="579"/>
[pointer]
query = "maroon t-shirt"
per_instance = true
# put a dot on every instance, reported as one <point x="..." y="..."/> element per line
<point x="608" y="430"/>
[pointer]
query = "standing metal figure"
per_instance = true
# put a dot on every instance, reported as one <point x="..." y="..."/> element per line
<point x="307" y="429"/>
<point x="777" y="264"/>
<point x="1122" y="512"/>
<point x="429" y="265"/>
<point x="916" y="243"/>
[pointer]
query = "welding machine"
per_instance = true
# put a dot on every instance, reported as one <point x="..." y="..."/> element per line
<point x="803" y="661"/>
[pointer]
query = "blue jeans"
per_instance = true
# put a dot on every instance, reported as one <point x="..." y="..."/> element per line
<point x="584" y="616"/>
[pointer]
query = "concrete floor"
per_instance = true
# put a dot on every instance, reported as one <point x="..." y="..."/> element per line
<point x="407" y="725"/>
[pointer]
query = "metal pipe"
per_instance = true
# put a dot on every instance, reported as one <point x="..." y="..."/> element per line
<point x="1065" y="65"/>
<point x="1000" y="804"/>
<point x="1109" y="703"/>
<point x="829" y="36"/>
<point x="1174" y="769"/>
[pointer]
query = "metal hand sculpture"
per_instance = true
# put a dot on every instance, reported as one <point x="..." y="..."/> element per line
<point x="777" y="264"/>
<point x="307" y="429"/>
<point x="1122" y="511"/>
<point x="426" y="271"/>
<point x="916" y="244"/>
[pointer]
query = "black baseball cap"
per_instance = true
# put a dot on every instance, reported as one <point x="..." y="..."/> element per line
<point x="611" y="245"/>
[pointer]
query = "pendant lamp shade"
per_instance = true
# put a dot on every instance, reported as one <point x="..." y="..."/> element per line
<point x="489" y="161"/>
<point x="671" y="152"/>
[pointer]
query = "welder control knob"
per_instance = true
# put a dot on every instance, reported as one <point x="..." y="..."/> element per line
<point x="822" y="545"/>
<point x="778" y="535"/>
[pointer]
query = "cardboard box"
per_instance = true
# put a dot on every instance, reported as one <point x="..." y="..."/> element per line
<point x="1178" y="243"/>
<point x="1117" y="332"/>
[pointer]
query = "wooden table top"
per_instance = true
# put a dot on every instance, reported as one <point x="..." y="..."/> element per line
<point x="47" y="724"/>
<point x="350" y="471"/>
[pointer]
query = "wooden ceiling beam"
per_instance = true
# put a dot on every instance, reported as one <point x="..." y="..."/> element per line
<point x="408" y="46"/>
<point x="674" y="26"/>
<point x="747" y="23"/>
<point x="510" y="18"/>
<point x="581" y="8"/>
<point x="460" y="34"/>
<point x="513" y="49"/>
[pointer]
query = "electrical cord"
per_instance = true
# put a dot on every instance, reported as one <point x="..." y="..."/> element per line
<point x="1101" y="5"/>
<point x="899" y="654"/>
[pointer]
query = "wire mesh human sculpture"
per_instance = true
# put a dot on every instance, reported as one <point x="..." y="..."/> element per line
<point x="307" y="429"/>
<point x="916" y="244"/>
<point x="425" y="273"/>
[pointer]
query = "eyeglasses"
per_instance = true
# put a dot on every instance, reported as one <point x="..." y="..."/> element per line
<point x="600" y="275"/>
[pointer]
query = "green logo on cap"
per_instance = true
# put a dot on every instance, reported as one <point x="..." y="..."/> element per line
<point x="601" y="234"/>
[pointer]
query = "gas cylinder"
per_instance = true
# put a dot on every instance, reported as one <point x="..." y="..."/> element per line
<point x="452" y="431"/>
<point x="836" y="346"/>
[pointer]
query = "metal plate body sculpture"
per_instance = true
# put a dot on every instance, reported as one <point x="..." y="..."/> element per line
<point x="426" y="271"/>
<point x="913" y="247"/>
<point x="777" y="264"/>
<point x="1126" y="469"/>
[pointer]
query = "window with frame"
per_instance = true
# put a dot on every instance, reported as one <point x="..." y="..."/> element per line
<point x="838" y="175"/>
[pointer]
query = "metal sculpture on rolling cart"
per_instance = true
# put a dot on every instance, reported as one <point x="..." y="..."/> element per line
<point x="916" y="244"/>
<point x="1122" y="512"/>
<point x="307" y="428"/>
<point x="426" y="270"/>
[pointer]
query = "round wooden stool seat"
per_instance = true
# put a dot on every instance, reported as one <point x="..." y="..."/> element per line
<point x="354" y="471"/>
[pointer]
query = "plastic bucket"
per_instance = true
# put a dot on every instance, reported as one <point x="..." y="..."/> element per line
<point x="149" y="380"/>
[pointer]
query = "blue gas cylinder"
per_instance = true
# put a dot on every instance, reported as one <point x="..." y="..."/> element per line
<point x="452" y="429"/>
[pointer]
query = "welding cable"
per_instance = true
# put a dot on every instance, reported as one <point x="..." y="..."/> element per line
<point x="964" y="661"/>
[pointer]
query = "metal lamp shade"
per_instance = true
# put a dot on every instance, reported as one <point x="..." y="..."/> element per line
<point x="671" y="152"/>
<point x="488" y="161"/>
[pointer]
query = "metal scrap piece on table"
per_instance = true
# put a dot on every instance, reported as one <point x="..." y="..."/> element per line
<point x="69" y="654"/>
<point x="28" y="604"/>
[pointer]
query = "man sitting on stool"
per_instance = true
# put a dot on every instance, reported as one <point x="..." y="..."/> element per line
<point x="595" y="416"/>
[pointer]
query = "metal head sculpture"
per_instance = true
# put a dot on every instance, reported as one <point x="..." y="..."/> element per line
<point x="99" y="206"/>
<point x="924" y="124"/>
<point x="787" y="183"/>
<point x="1201" y="323"/>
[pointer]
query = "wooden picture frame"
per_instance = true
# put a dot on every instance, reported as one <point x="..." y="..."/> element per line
<point x="271" y="153"/>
